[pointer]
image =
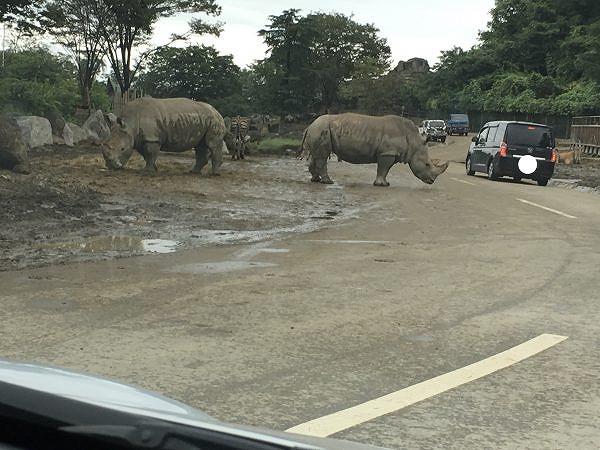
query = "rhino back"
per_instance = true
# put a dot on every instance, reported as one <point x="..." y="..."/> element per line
<point x="361" y="139"/>
<point x="178" y="124"/>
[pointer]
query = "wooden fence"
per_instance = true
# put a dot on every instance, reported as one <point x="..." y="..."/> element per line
<point x="119" y="99"/>
<point x="585" y="132"/>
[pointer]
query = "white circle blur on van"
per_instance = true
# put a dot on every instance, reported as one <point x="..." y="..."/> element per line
<point x="527" y="164"/>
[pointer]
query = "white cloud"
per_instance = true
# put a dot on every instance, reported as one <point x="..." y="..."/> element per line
<point x="412" y="28"/>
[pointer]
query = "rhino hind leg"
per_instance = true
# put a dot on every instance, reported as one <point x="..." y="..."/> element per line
<point x="384" y="164"/>
<point x="312" y="168"/>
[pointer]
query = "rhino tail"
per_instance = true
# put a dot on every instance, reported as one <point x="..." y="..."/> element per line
<point x="303" y="151"/>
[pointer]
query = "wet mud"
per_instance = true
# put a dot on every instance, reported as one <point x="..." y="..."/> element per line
<point x="71" y="209"/>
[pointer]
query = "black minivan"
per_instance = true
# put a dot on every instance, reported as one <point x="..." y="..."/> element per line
<point x="515" y="149"/>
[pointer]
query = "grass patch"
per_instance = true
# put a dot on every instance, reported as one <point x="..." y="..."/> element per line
<point x="276" y="145"/>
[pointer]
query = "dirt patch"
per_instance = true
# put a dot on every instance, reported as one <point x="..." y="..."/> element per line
<point x="71" y="209"/>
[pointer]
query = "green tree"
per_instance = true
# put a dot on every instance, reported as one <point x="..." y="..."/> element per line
<point x="37" y="82"/>
<point x="288" y="38"/>
<point x="339" y="47"/>
<point x="75" y="25"/>
<point x="126" y="26"/>
<point x="310" y="57"/>
<point x="197" y="72"/>
<point x="22" y="14"/>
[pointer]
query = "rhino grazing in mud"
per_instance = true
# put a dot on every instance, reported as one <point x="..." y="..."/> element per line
<point x="150" y="125"/>
<point x="361" y="139"/>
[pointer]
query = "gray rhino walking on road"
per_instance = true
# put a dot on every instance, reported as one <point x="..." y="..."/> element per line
<point x="150" y="125"/>
<point x="361" y="139"/>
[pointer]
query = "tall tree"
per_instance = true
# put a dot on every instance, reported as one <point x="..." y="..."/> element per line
<point x="288" y="38"/>
<point x="127" y="25"/>
<point x="75" y="25"/>
<point x="21" y="14"/>
<point x="196" y="72"/>
<point x="340" y="46"/>
<point x="310" y="56"/>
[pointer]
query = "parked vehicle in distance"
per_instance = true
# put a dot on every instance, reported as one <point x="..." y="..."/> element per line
<point x="458" y="124"/>
<point x="515" y="149"/>
<point x="433" y="130"/>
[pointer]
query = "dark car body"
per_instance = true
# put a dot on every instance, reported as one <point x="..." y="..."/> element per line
<point x="500" y="145"/>
<point x="458" y="124"/>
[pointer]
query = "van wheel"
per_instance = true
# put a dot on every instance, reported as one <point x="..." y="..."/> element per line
<point x="543" y="182"/>
<point x="492" y="172"/>
<point x="468" y="167"/>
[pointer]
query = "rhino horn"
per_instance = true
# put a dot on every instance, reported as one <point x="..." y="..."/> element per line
<point x="439" y="168"/>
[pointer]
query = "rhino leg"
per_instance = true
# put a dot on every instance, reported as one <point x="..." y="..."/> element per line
<point x="312" y="168"/>
<point x="216" y="157"/>
<point x="384" y="163"/>
<point x="201" y="158"/>
<point x="150" y="152"/>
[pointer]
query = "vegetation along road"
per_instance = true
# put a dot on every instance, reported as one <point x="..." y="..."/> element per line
<point x="366" y="293"/>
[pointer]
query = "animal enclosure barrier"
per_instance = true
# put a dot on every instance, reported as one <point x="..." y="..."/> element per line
<point x="585" y="134"/>
<point x="120" y="99"/>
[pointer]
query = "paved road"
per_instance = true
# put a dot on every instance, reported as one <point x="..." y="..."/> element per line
<point x="429" y="280"/>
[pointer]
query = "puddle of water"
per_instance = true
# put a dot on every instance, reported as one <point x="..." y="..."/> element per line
<point x="114" y="243"/>
<point x="219" y="267"/>
<point x="159" y="245"/>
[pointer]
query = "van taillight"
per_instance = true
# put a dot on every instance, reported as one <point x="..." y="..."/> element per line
<point x="503" y="149"/>
<point x="554" y="155"/>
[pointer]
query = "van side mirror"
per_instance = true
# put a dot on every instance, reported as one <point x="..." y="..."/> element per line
<point x="474" y="139"/>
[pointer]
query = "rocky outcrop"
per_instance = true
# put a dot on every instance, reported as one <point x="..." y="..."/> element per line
<point x="13" y="151"/>
<point x="78" y="133"/>
<point x="36" y="131"/>
<point x="412" y="68"/>
<point x="97" y="127"/>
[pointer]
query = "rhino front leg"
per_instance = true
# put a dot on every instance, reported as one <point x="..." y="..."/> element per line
<point x="201" y="158"/>
<point x="216" y="157"/>
<point x="384" y="163"/>
<point x="150" y="153"/>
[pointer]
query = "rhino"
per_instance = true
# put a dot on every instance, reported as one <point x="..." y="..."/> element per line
<point x="13" y="150"/>
<point x="361" y="139"/>
<point x="150" y="125"/>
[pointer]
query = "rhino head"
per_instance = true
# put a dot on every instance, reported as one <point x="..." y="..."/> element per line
<point x="117" y="149"/>
<point x="424" y="168"/>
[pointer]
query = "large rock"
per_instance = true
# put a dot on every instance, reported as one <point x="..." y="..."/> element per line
<point x="97" y="127"/>
<point x="78" y="133"/>
<point x="13" y="151"/>
<point x="67" y="135"/>
<point x="36" y="131"/>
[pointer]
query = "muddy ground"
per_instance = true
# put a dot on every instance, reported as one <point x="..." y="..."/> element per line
<point x="72" y="209"/>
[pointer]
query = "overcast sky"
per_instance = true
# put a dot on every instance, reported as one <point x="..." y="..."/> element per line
<point x="417" y="28"/>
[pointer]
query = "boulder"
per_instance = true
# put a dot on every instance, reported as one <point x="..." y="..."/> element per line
<point x="97" y="127"/>
<point x="36" y="131"/>
<point x="13" y="151"/>
<point x="78" y="133"/>
<point x="67" y="135"/>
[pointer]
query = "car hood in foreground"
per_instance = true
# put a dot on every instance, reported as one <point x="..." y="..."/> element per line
<point x="112" y="397"/>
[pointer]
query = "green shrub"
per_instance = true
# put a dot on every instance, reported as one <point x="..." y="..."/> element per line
<point x="276" y="145"/>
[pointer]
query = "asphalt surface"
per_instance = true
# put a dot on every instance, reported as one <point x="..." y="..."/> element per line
<point x="427" y="280"/>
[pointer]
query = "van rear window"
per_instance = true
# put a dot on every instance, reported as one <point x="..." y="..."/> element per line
<point x="529" y="135"/>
